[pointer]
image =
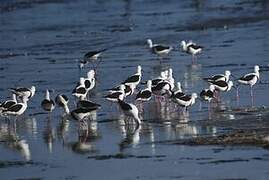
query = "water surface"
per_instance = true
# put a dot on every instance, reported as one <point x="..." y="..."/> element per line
<point x="41" y="42"/>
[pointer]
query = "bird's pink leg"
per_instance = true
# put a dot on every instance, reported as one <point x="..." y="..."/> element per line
<point x="252" y="97"/>
<point x="237" y="96"/>
<point x="192" y="59"/>
<point x="200" y="106"/>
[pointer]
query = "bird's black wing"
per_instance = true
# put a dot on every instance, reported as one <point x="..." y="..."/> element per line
<point x="80" y="90"/>
<point x="185" y="98"/>
<point x="220" y="83"/>
<point x="143" y="94"/>
<point x="194" y="46"/>
<point x="7" y="104"/>
<point x="179" y="94"/>
<point x="132" y="79"/>
<point x="160" y="48"/>
<point x="15" y="108"/>
<point x="47" y="104"/>
<point x="87" y="83"/>
<point x="156" y="81"/>
<point x="90" y="54"/>
<point x="113" y="95"/>
<point x="159" y="86"/>
<point x="207" y="93"/>
<point x="247" y="77"/>
<point x="125" y="106"/>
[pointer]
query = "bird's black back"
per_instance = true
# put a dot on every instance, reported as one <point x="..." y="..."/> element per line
<point x="160" y="86"/>
<point x="143" y="94"/>
<point x="132" y="79"/>
<point x="87" y="83"/>
<point x="193" y="46"/>
<point x="80" y="90"/>
<point x="47" y="104"/>
<point x="124" y="106"/>
<point x="248" y="77"/>
<point x="185" y="98"/>
<point x="160" y="48"/>
<point x="113" y="95"/>
<point x="220" y="83"/>
<point x="14" y="108"/>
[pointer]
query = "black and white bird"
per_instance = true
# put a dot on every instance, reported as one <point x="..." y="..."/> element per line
<point x="6" y="104"/>
<point x="185" y="100"/>
<point x="219" y="77"/>
<point x="130" y="110"/>
<point x="208" y="94"/>
<point x="170" y="78"/>
<point x="16" y="109"/>
<point x="178" y="92"/>
<point x="162" y="89"/>
<point x="128" y="89"/>
<point x="250" y="79"/>
<point x="115" y="95"/>
<point x="91" y="56"/>
<point x="89" y="82"/>
<point x="145" y="94"/>
<point x="48" y="104"/>
<point x="222" y="85"/>
<point x="178" y="88"/>
<point x="23" y="92"/>
<point x="62" y="101"/>
<point x="157" y="79"/>
<point x="158" y="48"/>
<point x="184" y="45"/>
<point x="191" y="48"/>
<point x="80" y="90"/>
<point x="78" y="113"/>
<point x="134" y="79"/>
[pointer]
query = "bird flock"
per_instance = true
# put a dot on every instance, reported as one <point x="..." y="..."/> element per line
<point x="161" y="88"/>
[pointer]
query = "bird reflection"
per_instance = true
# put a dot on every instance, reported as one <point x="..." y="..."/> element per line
<point x="49" y="135"/>
<point x="63" y="129"/>
<point x="10" y="139"/>
<point x="87" y="134"/>
<point x="152" y="140"/>
<point x="130" y="137"/>
<point x="192" y="75"/>
<point x="185" y="129"/>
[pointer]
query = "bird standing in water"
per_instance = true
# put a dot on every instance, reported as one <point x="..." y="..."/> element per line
<point x="159" y="49"/>
<point x="48" y="104"/>
<point x="191" y="48"/>
<point x="250" y="79"/>
<point x="130" y="110"/>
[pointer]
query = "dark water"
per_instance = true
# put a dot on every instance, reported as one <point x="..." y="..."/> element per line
<point x="41" y="41"/>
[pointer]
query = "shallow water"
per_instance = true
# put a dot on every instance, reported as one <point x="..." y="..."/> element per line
<point x="41" y="41"/>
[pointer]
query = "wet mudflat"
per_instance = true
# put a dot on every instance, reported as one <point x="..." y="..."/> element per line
<point x="41" y="42"/>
